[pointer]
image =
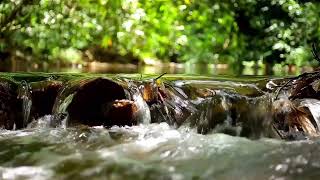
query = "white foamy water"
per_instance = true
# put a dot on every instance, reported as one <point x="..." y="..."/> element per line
<point x="25" y="172"/>
<point x="154" y="151"/>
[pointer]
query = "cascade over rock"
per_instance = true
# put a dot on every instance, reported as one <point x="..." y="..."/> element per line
<point x="258" y="108"/>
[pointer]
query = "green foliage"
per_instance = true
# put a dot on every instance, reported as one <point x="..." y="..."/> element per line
<point x="226" y="31"/>
<point x="280" y="28"/>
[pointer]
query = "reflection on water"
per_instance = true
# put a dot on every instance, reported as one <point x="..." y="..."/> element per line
<point x="171" y="68"/>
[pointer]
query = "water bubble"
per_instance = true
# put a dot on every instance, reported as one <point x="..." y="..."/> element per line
<point x="281" y="168"/>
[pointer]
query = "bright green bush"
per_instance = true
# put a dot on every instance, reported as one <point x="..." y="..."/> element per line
<point x="225" y="31"/>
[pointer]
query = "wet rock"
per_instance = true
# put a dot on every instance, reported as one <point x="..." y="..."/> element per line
<point x="10" y="106"/>
<point x="88" y="104"/>
<point x="121" y="112"/>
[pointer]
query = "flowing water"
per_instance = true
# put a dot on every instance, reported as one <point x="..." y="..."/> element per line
<point x="162" y="150"/>
<point x="154" y="151"/>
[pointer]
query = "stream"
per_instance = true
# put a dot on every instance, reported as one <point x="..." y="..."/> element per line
<point x="221" y="137"/>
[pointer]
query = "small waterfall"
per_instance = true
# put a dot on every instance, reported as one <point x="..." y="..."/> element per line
<point x="239" y="109"/>
<point x="57" y="119"/>
<point x="62" y="104"/>
<point x="143" y="109"/>
<point x="214" y="114"/>
<point x="133" y="93"/>
<point x="59" y="110"/>
<point x="25" y="95"/>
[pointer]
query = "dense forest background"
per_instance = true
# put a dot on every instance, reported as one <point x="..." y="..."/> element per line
<point x="194" y="31"/>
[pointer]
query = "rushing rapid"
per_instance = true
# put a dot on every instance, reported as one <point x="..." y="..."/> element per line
<point x="154" y="151"/>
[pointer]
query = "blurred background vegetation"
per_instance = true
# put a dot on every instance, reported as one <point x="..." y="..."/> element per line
<point x="233" y="32"/>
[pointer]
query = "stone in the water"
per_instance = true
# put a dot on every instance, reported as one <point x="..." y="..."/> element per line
<point x="121" y="112"/>
<point x="87" y="106"/>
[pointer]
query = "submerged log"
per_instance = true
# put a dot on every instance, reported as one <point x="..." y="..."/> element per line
<point x="43" y="96"/>
<point x="89" y="101"/>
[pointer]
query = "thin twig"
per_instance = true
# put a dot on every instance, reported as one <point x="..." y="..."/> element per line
<point x="280" y="89"/>
<point x="277" y="131"/>
<point x="159" y="76"/>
